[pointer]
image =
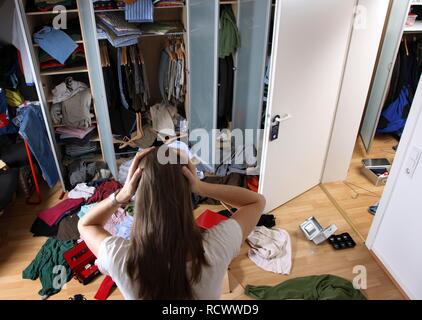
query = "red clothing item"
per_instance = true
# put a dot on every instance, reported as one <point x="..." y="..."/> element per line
<point x="105" y="288"/>
<point x="104" y="190"/>
<point x="53" y="215"/>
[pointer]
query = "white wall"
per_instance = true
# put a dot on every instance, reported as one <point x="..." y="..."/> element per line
<point x="395" y="235"/>
<point x="360" y="65"/>
<point x="11" y="33"/>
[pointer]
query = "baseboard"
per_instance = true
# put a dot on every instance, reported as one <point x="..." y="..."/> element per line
<point x="396" y="284"/>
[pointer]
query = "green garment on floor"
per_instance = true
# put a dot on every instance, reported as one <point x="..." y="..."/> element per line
<point x="229" y="37"/>
<point x="43" y="266"/>
<point x="324" y="287"/>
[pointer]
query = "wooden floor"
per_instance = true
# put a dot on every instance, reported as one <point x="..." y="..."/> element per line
<point x="18" y="248"/>
<point x="357" y="193"/>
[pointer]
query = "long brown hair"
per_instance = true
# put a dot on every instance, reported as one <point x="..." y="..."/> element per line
<point x="164" y="235"/>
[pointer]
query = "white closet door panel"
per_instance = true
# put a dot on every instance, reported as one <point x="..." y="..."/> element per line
<point x="27" y="36"/>
<point x="253" y="21"/>
<point x="92" y="52"/>
<point x="384" y="70"/>
<point x="367" y="33"/>
<point x="309" y="52"/>
<point x="203" y="18"/>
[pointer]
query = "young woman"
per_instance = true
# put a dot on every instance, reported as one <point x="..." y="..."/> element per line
<point x="168" y="257"/>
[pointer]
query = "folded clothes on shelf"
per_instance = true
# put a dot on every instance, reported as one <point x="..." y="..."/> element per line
<point x="76" y="59"/>
<point x="56" y="43"/>
<point x="168" y="3"/>
<point x="74" y="150"/>
<point x="48" y="5"/>
<point x="140" y="11"/>
<point x="66" y="132"/>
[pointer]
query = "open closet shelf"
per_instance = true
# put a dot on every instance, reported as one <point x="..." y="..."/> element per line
<point x="41" y="13"/>
<point x="417" y="27"/>
<point x="62" y="125"/>
<point x="122" y="9"/>
<point x="81" y="69"/>
<point x="36" y="45"/>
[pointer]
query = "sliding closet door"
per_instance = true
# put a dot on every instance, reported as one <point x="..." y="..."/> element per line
<point x="384" y="70"/>
<point x="253" y="21"/>
<point x="308" y="58"/>
<point x="203" y="62"/>
<point x="27" y="36"/>
<point x="92" y="52"/>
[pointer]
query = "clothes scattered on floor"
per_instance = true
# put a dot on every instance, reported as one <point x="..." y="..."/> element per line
<point x="81" y="171"/>
<point x="236" y="160"/>
<point x="115" y="220"/>
<point x="41" y="229"/>
<point x="267" y="220"/>
<point x="124" y="229"/>
<point x="68" y="228"/>
<point x="84" y="209"/>
<point x="45" y="266"/>
<point x="324" y="287"/>
<point x="81" y="191"/>
<point x="105" y="289"/>
<point x="271" y="249"/>
<point x="253" y="183"/>
<point x="104" y="190"/>
<point x="233" y="179"/>
<point x="373" y="209"/>
<point x="53" y="215"/>
<point x="56" y="43"/>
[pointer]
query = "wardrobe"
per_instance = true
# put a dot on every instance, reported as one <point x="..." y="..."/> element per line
<point x="396" y="33"/>
<point x="308" y="45"/>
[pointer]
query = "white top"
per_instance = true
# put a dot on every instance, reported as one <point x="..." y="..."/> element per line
<point x="221" y="244"/>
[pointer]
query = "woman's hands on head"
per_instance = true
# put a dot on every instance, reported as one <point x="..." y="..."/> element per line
<point x="189" y="171"/>
<point x="133" y="178"/>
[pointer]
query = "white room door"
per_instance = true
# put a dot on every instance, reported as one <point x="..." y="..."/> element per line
<point x="308" y="58"/>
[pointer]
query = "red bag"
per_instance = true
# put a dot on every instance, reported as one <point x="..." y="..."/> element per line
<point x="82" y="262"/>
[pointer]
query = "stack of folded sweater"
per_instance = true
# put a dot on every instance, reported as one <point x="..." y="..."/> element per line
<point x="118" y="31"/>
<point x="48" y="5"/>
<point x="76" y="59"/>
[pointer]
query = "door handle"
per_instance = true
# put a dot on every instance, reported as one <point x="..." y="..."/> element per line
<point x="279" y="119"/>
<point x="275" y="125"/>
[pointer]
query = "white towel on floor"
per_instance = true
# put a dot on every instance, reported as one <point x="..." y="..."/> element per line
<point x="271" y="249"/>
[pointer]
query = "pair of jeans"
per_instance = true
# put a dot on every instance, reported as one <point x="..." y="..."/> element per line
<point x="32" y="129"/>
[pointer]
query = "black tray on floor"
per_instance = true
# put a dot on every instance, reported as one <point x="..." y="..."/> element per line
<point x="342" y="241"/>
